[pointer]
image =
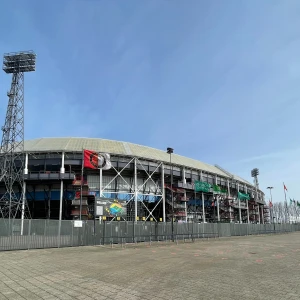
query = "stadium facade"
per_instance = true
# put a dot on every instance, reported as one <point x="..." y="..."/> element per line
<point x="138" y="183"/>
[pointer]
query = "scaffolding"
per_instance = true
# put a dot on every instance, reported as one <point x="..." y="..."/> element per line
<point x="253" y="211"/>
<point x="179" y="203"/>
<point x="266" y="214"/>
<point x="80" y="203"/>
<point x="226" y="209"/>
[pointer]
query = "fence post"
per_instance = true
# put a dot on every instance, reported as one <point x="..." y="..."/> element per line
<point x="72" y="230"/>
<point x="58" y="234"/>
<point x="29" y="233"/>
<point x="44" y="233"/>
<point x="133" y="232"/>
<point x="103" y="234"/>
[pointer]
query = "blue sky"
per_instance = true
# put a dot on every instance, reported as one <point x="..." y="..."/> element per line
<point x="216" y="80"/>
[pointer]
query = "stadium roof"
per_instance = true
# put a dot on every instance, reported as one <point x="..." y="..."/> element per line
<point x="71" y="144"/>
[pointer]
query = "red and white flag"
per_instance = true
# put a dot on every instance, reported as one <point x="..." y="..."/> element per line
<point x="95" y="160"/>
<point x="284" y="187"/>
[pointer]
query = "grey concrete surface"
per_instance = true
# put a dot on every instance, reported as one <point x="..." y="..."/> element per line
<point x="254" y="267"/>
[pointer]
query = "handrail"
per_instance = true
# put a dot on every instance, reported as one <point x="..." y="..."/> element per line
<point x="50" y="172"/>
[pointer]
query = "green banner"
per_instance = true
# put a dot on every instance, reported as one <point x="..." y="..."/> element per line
<point x="202" y="186"/>
<point x="219" y="190"/>
<point x="223" y="191"/>
<point x="216" y="188"/>
<point x="242" y="196"/>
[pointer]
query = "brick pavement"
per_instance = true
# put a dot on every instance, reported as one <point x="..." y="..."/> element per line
<point x="254" y="267"/>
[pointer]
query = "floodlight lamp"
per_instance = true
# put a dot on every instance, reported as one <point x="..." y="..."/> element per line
<point x="170" y="150"/>
<point x="255" y="172"/>
<point x="18" y="62"/>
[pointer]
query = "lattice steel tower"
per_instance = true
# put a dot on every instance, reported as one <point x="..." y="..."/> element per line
<point x="13" y="201"/>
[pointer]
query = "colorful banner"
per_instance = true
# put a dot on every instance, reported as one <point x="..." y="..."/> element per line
<point x="111" y="207"/>
<point x="95" y="160"/>
<point x="202" y="186"/>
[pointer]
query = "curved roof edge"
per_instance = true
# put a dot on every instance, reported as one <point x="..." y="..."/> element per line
<point x="73" y="144"/>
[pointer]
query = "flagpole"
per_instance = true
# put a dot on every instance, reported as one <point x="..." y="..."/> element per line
<point x="294" y="210"/>
<point x="284" y="188"/>
<point x="81" y="183"/>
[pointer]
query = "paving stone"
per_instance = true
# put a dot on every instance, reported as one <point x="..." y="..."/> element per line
<point x="254" y="267"/>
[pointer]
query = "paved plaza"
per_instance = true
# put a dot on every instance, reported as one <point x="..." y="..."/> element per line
<point x="254" y="267"/>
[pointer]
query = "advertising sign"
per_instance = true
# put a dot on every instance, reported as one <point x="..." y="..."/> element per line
<point x="110" y="207"/>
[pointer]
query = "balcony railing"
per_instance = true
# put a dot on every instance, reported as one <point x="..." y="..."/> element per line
<point x="47" y="175"/>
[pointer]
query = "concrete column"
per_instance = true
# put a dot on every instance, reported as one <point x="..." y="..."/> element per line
<point x="240" y="211"/>
<point x="49" y="203"/>
<point x="247" y="206"/>
<point x="135" y="192"/>
<point x="100" y="183"/>
<point x="203" y="209"/>
<point x="218" y="207"/>
<point x="62" y="169"/>
<point x="24" y="194"/>
<point x="163" y="191"/>
<point x="26" y="164"/>
<point x="228" y="187"/>
<point x="23" y="207"/>
<point x="186" y="218"/>
<point x="61" y="199"/>
<point x="183" y="175"/>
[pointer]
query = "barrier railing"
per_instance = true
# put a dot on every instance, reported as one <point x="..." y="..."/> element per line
<point x="35" y="234"/>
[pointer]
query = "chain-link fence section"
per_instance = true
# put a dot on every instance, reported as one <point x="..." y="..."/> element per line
<point x="35" y="234"/>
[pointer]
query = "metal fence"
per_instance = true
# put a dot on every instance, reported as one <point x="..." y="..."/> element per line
<point x="35" y="234"/>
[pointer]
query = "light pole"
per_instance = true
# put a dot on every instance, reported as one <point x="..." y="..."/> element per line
<point x="170" y="151"/>
<point x="270" y="188"/>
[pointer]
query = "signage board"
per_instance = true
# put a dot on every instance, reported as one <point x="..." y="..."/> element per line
<point x="110" y="207"/>
<point x="77" y="223"/>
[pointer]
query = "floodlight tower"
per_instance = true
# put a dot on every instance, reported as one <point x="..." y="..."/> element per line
<point x="12" y="202"/>
<point x="254" y="174"/>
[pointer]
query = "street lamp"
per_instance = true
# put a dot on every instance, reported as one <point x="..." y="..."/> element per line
<point x="270" y="188"/>
<point x="170" y="151"/>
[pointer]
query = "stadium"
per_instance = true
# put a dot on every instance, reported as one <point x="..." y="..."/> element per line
<point x="141" y="183"/>
<point x="81" y="178"/>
